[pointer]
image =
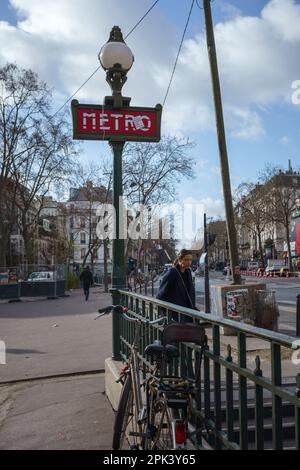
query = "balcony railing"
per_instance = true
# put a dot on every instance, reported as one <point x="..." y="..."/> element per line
<point x="242" y="406"/>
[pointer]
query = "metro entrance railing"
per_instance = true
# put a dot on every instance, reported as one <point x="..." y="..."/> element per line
<point x="242" y="408"/>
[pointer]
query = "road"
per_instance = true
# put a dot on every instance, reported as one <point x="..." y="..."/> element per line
<point x="286" y="291"/>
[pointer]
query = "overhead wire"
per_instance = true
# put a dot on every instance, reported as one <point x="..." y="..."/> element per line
<point x="69" y="99"/>
<point x="178" y="53"/>
<point x="144" y="16"/>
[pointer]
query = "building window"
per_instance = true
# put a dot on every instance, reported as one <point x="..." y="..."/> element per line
<point x="82" y="253"/>
<point x="71" y="222"/>
<point x="82" y="238"/>
<point x="82" y="222"/>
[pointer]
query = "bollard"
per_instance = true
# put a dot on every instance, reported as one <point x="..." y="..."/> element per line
<point x="298" y="317"/>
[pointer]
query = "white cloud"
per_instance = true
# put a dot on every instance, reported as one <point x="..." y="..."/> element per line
<point x="284" y="140"/>
<point x="229" y="11"/>
<point x="283" y="16"/>
<point x="258" y="58"/>
<point x="213" y="207"/>
<point x="245" y="124"/>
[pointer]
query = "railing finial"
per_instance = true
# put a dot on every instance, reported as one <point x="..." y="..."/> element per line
<point x="258" y="372"/>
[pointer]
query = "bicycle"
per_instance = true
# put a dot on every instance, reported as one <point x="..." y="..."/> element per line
<point x="160" y="418"/>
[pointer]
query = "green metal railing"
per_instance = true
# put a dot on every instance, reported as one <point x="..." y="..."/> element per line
<point x="241" y="407"/>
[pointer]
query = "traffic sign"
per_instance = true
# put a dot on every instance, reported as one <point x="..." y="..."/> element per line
<point x="97" y="122"/>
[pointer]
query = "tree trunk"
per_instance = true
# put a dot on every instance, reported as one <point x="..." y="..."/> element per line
<point x="28" y="237"/>
<point x="3" y="247"/>
<point x="261" y="251"/>
<point x="287" y="231"/>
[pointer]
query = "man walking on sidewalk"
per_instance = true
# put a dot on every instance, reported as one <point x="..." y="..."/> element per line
<point x="87" y="279"/>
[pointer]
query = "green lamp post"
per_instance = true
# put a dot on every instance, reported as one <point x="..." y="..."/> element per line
<point x="116" y="59"/>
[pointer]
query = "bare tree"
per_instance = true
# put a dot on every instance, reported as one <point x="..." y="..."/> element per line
<point x="152" y="171"/>
<point x="252" y="211"/>
<point x="283" y="193"/>
<point x="36" y="154"/>
<point x="59" y="246"/>
<point x="217" y="245"/>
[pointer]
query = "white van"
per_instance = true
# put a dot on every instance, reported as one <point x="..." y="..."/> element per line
<point x="42" y="276"/>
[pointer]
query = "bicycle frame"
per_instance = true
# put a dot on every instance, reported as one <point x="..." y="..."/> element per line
<point x="135" y="373"/>
<point x="164" y="415"/>
<point x="134" y="370"/>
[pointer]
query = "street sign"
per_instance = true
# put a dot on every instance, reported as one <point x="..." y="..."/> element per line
<point x="97" y="122"/>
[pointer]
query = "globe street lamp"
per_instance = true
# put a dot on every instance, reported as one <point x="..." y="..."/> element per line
<point x="116" y="59"/>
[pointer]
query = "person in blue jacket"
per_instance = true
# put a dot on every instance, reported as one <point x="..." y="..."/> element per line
<point x="177" y="285"/>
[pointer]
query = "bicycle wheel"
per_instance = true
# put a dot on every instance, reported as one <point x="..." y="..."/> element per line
<point x="125" y="422"/>
<point x="161" y="425"/>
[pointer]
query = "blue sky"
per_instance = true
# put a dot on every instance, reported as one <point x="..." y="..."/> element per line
<point x="258" y="46"/>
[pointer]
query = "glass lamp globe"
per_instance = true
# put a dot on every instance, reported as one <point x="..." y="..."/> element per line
<point x="114" y="52"/>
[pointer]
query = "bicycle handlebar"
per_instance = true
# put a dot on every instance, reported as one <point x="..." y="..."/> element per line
<point x="122" y="310"/>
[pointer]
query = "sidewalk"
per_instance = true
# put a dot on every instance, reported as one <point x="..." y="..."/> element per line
<point x="64" y="414"/>
<point x="55" y="338"/>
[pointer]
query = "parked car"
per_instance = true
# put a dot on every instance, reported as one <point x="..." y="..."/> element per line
<point x="42" y="276"/>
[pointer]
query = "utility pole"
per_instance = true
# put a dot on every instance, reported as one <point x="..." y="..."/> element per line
<point x="206" y="269"/>
<point x="234" y="260"/>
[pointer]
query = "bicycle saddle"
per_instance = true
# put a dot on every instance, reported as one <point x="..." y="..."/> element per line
<point x="157" y="350"/>
<point x="186" y="332"/>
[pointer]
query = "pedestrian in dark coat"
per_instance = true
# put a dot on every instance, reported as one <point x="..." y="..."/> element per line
<point x="177" y="285"/>
<point x="87" y="280"/>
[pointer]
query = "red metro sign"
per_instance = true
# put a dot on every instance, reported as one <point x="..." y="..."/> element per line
<point x="96" y="122"/>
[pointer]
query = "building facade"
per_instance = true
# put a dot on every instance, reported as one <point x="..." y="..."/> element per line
<point x="81" y="221"/>
<point x="265" y="232"/>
